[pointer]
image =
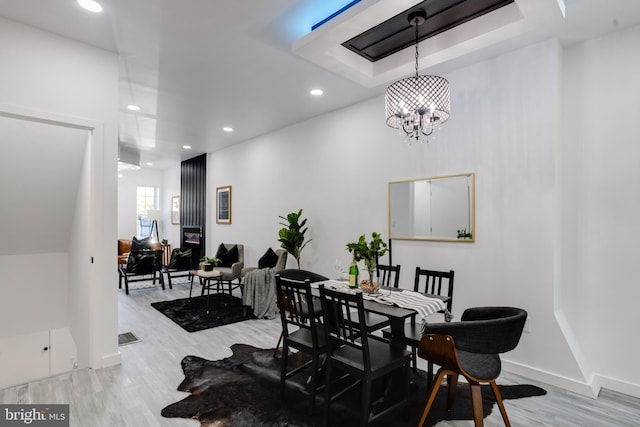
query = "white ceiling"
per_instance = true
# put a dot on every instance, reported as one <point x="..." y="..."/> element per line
<point x="198" y="65"/>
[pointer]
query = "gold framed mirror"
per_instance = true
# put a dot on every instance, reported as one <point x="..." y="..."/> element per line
<point x="440" y="208"/>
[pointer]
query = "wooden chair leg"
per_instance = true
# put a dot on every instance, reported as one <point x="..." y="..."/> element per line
<point x="452" y="382"/>
<point x="365" y="412"/>
<point x="498" y="395"/>
<point x="283" y="368"/>
<point x="476" y="403"/>
<point x="275" y="352"/>
<point x="312" y="385"/>
<point x="432" y="396"/>
<point x="327" y="394"/>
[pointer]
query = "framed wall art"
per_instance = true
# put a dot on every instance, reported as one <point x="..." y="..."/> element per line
<point x="175" y="210"/>
<point x="223" y="205"/>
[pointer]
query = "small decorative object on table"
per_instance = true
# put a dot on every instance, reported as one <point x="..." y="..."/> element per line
<point x="208" y="263"/>
<point x="369" y="253"/>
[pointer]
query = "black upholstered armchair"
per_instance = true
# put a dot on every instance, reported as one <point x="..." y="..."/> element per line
<point x="471" y="348"/>
<point x="142" y="265"/>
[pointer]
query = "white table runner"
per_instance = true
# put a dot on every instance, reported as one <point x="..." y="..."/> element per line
<point x="412" y="300"/>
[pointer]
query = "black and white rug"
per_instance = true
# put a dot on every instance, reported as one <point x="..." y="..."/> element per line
<point x="191" y="314"/>
<point x="244" y="390"/>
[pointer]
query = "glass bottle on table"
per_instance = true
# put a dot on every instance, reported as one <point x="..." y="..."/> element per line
<point x="353" y="274"/>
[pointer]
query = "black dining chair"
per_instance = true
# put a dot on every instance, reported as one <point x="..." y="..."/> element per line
<point x="472" y="348"/>
<point x="299" y="331"/>
<point x="300" y="276"/>
<point x="435" y="283"/>
<point x="352" y="350"/>
<point x="388" y="275"/>
<point x="432" y="282"/>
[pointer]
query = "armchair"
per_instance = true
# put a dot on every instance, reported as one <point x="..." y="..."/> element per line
<point x="180" y="264"/>
<point x="231" y="258"/>
<point x="276" y="260"/>
<point x="471" y="348"/>
<point x="138" y="259"/>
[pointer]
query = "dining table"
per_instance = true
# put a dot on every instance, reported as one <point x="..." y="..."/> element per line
<point x="398" y="316"/>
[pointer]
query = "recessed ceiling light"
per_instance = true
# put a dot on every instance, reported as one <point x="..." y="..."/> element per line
<point x="227" y="129"/>
<point x="90" y="5"/>
<point x="120" y="175"/>
<point x="133" y="107"/>
<point x="186" y="147"/>
<point x="149" y="164"/>
<point x="316" y="92"/>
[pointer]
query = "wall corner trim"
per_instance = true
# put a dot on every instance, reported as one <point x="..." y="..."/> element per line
<point x="111" y="360"/>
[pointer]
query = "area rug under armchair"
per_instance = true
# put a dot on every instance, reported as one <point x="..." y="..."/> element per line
<point x="244" y="390"/>
<point x="191" y="313"/>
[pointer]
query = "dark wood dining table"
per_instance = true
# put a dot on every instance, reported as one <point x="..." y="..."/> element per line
<point x="397" y="318"/>
<point x="397" y="315"/>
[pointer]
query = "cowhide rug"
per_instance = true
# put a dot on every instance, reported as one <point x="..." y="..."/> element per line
<point x="244" y="390"/>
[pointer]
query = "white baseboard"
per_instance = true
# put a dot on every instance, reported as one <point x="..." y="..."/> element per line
<point x="589" y="389"/>
<point x="620" y="386"/>
<point x="111" y="360"/>
<point x="580" y="387"/>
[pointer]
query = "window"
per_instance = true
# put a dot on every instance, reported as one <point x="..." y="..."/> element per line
<point x="145" y="202"/>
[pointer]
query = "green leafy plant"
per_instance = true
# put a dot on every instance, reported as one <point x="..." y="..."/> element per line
<point x="462" y="234"/>
<point x="291" y="237"/>
<point x="210" y="260"/>
<point x="368" y="252"/>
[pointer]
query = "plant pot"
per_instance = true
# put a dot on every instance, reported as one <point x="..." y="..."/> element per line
<point x="206" y="266"/>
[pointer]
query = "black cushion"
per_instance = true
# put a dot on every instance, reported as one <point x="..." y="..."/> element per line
<point x="482" y="366"/>
<point x="222" y="250"/>
<point x="180" y="259"/>
<point x="137" y="245"/>
<point x="143" y="262"/>
<point x="228" y="257"/>
<point x="268" y="260"/>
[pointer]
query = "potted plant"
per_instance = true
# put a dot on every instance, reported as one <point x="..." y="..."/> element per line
<point x="369" y="253"/>
<point x="291" y="237"/>
<point x="208" y="263"/>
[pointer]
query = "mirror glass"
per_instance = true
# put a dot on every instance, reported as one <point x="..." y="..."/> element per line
<point x="438" y="208"/>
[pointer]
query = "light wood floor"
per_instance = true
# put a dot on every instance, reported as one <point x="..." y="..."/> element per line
<point x="133" y="393"/>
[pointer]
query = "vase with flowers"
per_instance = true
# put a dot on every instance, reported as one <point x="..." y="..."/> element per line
<point x="369" y="252"/>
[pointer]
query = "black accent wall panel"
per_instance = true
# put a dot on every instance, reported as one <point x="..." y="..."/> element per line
<point x="193" y="201"/>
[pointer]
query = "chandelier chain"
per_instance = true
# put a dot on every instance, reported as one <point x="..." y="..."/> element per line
<point x="416" y="46"/>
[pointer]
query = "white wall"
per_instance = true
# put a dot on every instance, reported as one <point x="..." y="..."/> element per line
<point x="78" y="293"/>
<point x="49" y="76"/>
<point x="599" y="158"/>
<point x="167" y="181"/>
<point x="505" y="128"/>
<point x="127" y="187"/>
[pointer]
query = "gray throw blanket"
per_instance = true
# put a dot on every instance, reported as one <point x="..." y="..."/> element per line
<point x="260" y="292"/>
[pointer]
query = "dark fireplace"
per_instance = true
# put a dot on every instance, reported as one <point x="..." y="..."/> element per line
<point x="192" y="238"/>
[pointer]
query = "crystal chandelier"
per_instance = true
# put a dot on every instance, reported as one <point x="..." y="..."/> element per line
<point x="417" y="105"/>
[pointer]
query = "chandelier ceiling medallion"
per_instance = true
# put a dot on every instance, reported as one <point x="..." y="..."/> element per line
<point x="417" y="105"/>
